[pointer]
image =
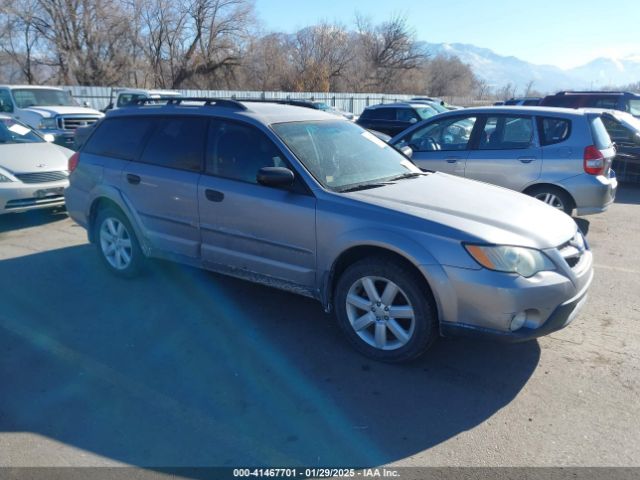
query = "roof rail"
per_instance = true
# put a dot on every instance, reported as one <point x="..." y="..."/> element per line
<point x="564" y="92"/>
<point x="208" y="102"/>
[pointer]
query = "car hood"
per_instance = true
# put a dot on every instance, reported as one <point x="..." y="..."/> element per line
<point x="478" y="211"/>
<point x="52" y="111"/>
<point x="27" y="157"/>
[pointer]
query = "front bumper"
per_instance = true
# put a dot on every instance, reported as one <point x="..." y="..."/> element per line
<point x="483" y="302"/>
<point x="20" y="197"/>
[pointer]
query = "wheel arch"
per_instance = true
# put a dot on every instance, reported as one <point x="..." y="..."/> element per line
<point x="355" y="253"/>
<point x="551" y="186"/>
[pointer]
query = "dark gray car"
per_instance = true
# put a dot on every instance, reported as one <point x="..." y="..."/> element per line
<point x="305" y="201"/>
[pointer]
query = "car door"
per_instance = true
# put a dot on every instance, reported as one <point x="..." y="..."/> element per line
<point x="505" y="151"/>
<point x="251" y="229"/>
<point x="162" y="184"/>
<point x="440" y="144"/>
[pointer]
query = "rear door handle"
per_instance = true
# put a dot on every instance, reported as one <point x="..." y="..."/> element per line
<point x="214" y="195"/>
<point x="133" y="179"/>
<point x="453" y="159"/>
<point x="526" y="159"/>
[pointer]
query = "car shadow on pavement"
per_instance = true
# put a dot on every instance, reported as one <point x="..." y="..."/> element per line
<point x="33" y="218"/>
<point x="187" y="368"/>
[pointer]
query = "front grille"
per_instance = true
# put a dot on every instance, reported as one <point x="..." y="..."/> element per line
<point x="42" y="177"/>
<point x="573" y="250"/>
<point x="32" y="202"/>
<point x="72" y="123"/>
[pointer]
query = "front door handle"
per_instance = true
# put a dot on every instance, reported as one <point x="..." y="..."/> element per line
<point x="453" y="159"/>
<point x="526" y="159"/>
<point x="133" y="179"/>
<point x="214" y="195"/>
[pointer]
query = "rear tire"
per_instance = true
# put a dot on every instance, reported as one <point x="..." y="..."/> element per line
<point x="117" y="244"/>
<point x="554" y="197"/>
<point x="384" y="311"/>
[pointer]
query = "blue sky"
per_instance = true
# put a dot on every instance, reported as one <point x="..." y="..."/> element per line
<point x="565" y="33"/>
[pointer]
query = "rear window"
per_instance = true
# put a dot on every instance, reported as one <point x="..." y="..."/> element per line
<point x="600" y="135"/>
<point x="119" y="137"/>
<point x="553" y="130"/>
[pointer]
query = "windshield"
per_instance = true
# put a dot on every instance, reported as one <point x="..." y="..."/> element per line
<point x="15" y="132"/>
<point x="340" y="154"/>
<point x="322" y="106"/>
<point x="438" y="107"/>
<point x="630" y="121"/>
<point x="41" y="97"/>
<point x="426" y="112"/>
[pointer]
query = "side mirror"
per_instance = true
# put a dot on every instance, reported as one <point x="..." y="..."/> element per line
<point x="407" y="150"/>
<point x="49" y="138"/>
<point x="413" y="120"/>
<point x="86" y="104"/>
<point x="275" y="177"/>
<point x="636" y="138"/>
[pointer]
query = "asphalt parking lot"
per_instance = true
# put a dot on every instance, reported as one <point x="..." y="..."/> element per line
<point x="187" y="368"/>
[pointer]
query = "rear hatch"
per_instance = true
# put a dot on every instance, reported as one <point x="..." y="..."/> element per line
<point x="602" y="142"/>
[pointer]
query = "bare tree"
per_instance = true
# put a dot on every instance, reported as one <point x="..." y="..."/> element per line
<point x="449" y="76"/>
<point x="389" y="50"/>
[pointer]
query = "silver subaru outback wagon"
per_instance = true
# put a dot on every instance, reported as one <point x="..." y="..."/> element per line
<point x="301" y="200"/>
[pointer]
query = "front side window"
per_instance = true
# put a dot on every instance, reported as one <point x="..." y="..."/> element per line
<point x="341" y="155"/>
<point x="15" y="132"/>
<point x="383" y="114"/>
<point x="634" y="108"/>
<point x="177" y="142"/>
<point x="406" y="115"/>
<point x="238" y="152"/>
<point x="506" y="133"/>
<point x="34" y="97"/>
<point x="120" y="137"/>
<point x="447" y="134"/>
<point x="6" y="106"/>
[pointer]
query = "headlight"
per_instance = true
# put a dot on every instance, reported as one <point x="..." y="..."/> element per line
<point x="3" y="177"/>
<point x="504" y="258"/>
<point x="48" y="124"/>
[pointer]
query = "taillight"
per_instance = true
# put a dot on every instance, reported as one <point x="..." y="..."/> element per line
<point x="593" y="161"/>
<point x="73" y="161"/>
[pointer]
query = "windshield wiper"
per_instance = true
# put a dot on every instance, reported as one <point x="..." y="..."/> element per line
<point x="362" y="186"/>
<point x="407" y="175"/>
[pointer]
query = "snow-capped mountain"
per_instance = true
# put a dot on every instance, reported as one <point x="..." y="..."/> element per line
<point x="499" y="70"/>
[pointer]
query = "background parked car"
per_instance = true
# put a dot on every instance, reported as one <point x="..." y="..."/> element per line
<point x="623" y="101"/>
<point x="523" y="101"/>
<point x="392" y="118"/>
<point x="33" y="172"/>
<point x="506" y="146"/>
<point x="624" y="130"/>
<point x="129" y="96"/>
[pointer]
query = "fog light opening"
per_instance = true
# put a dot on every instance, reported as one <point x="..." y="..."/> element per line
<point x="518" y="321"/>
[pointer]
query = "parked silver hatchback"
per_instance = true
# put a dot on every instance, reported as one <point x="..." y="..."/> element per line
<point x="560" y="156"/>
<point x="302" y="200"/>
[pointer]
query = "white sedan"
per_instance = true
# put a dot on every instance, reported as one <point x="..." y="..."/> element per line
<point x="33" y="171"/>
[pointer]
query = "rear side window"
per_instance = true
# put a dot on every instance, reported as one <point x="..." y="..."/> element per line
<point x="177" y="142"/>
<point x="120" y="137"/>
<point x="553" y="130"/>
<point x="506" y="133"/>
<point x="567" y="101"/>
<point x="601" y="137"/>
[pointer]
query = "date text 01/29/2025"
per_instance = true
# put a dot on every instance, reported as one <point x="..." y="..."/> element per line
<point x="314" y="472"/>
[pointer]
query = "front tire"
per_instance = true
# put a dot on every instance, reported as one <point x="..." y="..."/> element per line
<point x="385" y="310"/>
<point x="117" y="244"/>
